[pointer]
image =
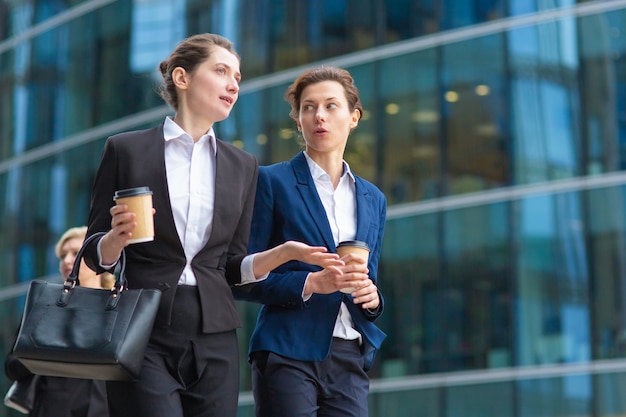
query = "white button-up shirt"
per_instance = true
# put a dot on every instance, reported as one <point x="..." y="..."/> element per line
<point x="340" y="206"/>
<point x="190" y="168"/>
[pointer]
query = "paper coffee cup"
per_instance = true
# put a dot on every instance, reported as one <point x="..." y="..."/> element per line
<point x="139" y="201"/>
<point x="353" y="246"/>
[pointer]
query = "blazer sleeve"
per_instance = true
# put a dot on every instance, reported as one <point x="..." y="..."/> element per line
<point x="238" y="247"/>
<point x="283" y="287"/>
<point x="372" y="315"/>
<point x="101" y="201"/>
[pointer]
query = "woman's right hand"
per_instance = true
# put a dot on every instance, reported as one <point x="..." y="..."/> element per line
<point x="116" y="239"/>
<point x="268" y="260"/>
<point x="313" y="255"/>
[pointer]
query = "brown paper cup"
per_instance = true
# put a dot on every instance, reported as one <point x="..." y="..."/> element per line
<point x="139" y="201"/>
<point x="356" y="247"/>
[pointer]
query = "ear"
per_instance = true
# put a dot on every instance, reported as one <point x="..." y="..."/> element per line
<point x="356" y="115"/>
<point x="179" y="77"/>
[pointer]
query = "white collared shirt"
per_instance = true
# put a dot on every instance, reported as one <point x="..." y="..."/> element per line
<point x="190" y="169"/>
<point x="340" y="207"/>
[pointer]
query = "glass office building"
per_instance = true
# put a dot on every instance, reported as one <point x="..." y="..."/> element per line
<point x="496" y="129"/>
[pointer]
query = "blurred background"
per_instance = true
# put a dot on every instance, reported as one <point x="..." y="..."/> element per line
<point x="496" y="129"/>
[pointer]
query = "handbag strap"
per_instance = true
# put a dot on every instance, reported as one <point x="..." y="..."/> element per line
<point x="120" y="278"/>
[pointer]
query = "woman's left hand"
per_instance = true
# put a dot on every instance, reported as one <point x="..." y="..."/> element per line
<point x="367" y="296"/>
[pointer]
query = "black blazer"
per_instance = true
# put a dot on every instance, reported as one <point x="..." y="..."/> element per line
<point x="135" y="159"/>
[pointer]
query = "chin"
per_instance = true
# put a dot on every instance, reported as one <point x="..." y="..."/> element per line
<point x="223" y="114"/>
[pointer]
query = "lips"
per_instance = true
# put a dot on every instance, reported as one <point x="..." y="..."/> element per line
<point x="227" y="99"/>
<point x="320" y="131"/>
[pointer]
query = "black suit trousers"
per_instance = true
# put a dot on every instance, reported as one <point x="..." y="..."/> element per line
<point x="185" y="372"/>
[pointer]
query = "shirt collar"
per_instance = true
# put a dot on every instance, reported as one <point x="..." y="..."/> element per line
<point x="171" y="130"/>
<point x="317" y="171"/>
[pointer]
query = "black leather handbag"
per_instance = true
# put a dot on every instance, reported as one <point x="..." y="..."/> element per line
<point x="77" y="332"/>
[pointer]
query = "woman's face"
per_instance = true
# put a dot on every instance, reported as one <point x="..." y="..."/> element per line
<point x="325" y="118"/>
<point x="68" y="254"/>
<point x="69" y="250"/>
<point x="211" y="91"/>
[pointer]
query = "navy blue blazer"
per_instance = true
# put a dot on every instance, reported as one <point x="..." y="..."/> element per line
<point x="287" y="207"/>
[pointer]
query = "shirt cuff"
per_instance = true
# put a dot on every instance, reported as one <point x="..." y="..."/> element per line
<point x="107" y="267"/>
<point x="247" y="272"/>
<point x="305" y="299"/>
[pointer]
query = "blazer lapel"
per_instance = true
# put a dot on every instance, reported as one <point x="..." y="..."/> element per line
<point x="225" y="171"/>
<point x="222" y="176"/>
<point x="155" y="172"/>
<point x="308" y="192"/>
<point x="364" y="210"/>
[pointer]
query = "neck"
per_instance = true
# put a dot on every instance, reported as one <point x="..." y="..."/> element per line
<point x="193" y="126"/>
<point x="331" y="164"/>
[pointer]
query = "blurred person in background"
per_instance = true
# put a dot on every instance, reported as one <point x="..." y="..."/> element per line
<point x="66" y="250"/>
<point x="67" y="397"/>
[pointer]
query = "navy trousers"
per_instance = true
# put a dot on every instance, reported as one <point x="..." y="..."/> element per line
<point x="335" y="387"/>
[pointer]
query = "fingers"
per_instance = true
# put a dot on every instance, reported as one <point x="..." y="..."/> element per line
<point x="326" y="260"/>
<point x="356" y="268"/>
<point x="117" y="209"/>
<point x="324" y="281"/>
<point x="355" y="263"/>
<point x="319" y="249"/>
<point x="314" y="255"/>
<point x="122" y="225"/>
<point x="352" y="258"/>
<point x="334" y="270"/>
<point x="372" y="305"/>
<point x="350" y="282"/>
<point x="367" y="295"/>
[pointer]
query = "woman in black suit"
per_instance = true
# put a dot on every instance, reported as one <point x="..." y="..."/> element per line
<point x="203" y="196"/>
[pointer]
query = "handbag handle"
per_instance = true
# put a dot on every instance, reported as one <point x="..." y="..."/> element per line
<point x="72" y="280"/>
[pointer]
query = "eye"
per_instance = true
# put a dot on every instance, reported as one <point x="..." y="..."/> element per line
<point x="307" y="107"/>
<point x="221" y="70"/>
<point x="332" y="106"/>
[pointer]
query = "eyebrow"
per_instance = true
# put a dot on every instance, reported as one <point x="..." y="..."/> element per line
<point x="327" y="99"/>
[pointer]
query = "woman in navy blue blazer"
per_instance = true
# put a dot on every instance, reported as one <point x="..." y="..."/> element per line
<point x="313" y="344"/>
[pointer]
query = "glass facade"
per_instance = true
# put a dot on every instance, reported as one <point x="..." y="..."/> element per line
<point x="496" y="129"/>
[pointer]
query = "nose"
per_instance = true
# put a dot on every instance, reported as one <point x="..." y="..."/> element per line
<point x="233" y="86"/>
<point x="68" y="258"/>
<point x="320" y="115"/>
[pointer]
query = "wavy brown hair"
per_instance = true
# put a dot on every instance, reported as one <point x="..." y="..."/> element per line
<point x="317" y="75"/>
